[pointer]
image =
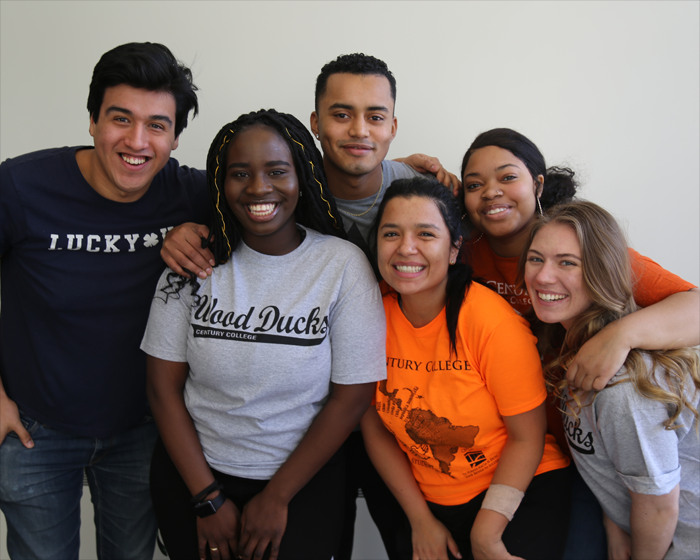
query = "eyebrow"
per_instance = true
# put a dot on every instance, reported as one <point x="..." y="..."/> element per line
<point x="500" y="168"/>
<point x="558" y="255"/>
<point x="381" y="108"/>
<point x="273" y="163"/>
<point x="416" y="226"/>
<point x="115" y="109"/>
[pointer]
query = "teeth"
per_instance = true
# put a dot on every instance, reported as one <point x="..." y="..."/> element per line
<point x="409" y="269"/>
<point x="549" y="297"/>
<point x="134" y="160"/>
<point x="492" y="211"/>
<point x="261" y="209"/>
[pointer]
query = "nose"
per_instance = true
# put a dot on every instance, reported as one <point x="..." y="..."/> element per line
<point x="545" y="275"/>
<point x="358" y="128"/>
<point x="407" y="246"/>
<point x="136" y="139"/>
<point x="259" y="185"/>
<point x="491" y="190"/>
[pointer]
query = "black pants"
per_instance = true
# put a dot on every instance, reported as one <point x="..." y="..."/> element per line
<point x="314" y="521"/>
<point x="537" y="531"/>
<point x="383" y="507"/>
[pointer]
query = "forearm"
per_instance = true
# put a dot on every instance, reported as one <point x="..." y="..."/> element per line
<point x="393" y="466"/>
<point x="178" y="433"/>
<point x="328" y="431"/>
<point x="516" y="467"/>
<point x="671" y="323"/>
<point x="653" y="522"/>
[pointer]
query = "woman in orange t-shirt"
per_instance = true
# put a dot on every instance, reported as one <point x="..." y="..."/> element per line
<point x="506" y="184"/>
<point x="458" y="429"/>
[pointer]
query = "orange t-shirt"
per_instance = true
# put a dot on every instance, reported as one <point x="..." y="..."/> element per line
<point x="447" y="411"/>
<point x="652" y="283"/>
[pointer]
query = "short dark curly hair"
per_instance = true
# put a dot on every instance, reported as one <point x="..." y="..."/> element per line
<point x="359" y="64"/>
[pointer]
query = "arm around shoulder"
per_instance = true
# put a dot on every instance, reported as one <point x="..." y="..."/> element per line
<point x="671" y="323"/>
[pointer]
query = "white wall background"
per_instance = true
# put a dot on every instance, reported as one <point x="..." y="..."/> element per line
<point x="610" y="88"/>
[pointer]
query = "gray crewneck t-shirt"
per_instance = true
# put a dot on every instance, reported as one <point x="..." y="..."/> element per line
<point x="619" y="443"/>
<point x="264" y="338"/>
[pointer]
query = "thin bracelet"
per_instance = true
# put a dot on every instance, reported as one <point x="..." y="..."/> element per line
<point x="216" y="485"/>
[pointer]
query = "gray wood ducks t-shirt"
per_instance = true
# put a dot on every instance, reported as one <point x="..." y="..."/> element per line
<point x="264" y="338"/>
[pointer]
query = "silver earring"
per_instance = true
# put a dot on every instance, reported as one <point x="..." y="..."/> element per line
<point x="539" y="206"/>
<point x="318" y="137"/>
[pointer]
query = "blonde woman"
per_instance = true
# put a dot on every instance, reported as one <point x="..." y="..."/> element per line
<point x="635" y="443"/>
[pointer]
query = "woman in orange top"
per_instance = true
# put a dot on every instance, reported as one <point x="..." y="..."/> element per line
<point x="506" y="184"/>
<point x="464" y="397"/>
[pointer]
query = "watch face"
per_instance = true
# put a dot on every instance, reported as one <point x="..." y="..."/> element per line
<point x="205" y="509"/>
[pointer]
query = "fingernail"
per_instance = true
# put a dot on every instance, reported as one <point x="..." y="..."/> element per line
<point x="202" y="275"/>
<point x="208" y="271"/>
<point x="212" y="262"/>
<point x="30" y="443"/>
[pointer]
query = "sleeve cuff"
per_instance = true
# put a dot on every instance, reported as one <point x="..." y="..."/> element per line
<point x="653" y="485"/>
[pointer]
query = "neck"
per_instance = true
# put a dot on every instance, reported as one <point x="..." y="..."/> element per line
<point x="421" y="309"/>
<point x="352" y="187"/>
<point x="510" y="246"/>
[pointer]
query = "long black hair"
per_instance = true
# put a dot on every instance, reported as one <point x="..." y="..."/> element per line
<point x="316" y="208"/>
<point x="559" y="183"/>
<point x="459" y="275"/>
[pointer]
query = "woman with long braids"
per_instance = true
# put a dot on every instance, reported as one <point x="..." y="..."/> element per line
<point x="458" y="428"/>
<point x="636" y="442"/>
<point x="257" y="374"/>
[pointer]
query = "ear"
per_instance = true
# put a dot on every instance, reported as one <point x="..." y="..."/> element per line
<point x="394" y="127"/>
<point x="454" y="250"/>
<point x="176" y="143"/>
<point x="540" y="186"/>
<point x="92" y="127"/>
<point x="314" y="123"/>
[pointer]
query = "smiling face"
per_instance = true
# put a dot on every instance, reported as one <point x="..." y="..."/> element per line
<point x="500" y="195"/>
<point x="133" y="136"/>
<point x="554" y="275"/>
<point x="355" y="121"/>
<point x="262" y="190"/>
<point x="414" y="248"/>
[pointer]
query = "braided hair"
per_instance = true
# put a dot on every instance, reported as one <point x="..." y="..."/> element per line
<point x="316" y="208"/>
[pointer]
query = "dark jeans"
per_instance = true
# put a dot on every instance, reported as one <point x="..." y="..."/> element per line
<point x="383" y="507"/>
<point x="587" y="539"/>
<point x="315" y="514"/>
<point x="537" y="531"/>
<point x="40" y="491"/>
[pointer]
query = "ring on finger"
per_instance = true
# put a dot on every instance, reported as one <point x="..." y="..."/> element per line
<point x="213" y="548"/>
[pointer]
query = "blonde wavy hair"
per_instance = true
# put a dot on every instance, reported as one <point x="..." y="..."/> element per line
<point x="608" y="280"/>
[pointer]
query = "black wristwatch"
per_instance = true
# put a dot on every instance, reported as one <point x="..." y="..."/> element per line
<point x="210" y="507"/>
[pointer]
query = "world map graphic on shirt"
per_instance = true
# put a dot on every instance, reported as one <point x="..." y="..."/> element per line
<point x="430" y="431"/>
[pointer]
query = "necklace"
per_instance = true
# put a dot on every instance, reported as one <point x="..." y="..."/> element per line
<point x="375" y="200"/>
<point x="477" y="239"/>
